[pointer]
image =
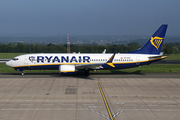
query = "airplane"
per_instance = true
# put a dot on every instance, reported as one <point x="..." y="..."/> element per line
<point x="68" y="63"/>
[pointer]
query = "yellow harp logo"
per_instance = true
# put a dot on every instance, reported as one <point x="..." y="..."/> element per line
<point x="156" y="41"/>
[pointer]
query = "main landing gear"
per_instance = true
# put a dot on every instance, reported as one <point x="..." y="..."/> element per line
<point x="22" y="73"/>
<point x="86" y="72"/>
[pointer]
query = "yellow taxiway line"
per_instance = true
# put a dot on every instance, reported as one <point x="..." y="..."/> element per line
<point x="105" y="101"/>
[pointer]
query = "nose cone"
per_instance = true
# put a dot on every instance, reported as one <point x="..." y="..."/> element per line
<point x="8" y="63"/>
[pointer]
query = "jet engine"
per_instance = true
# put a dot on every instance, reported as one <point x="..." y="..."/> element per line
<point x="67" y="69"/>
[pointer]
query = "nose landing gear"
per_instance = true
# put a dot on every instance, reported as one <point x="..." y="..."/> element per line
<point x="22" y="72"/>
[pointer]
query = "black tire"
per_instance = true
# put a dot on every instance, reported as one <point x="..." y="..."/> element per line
<point x="86" y="72"/>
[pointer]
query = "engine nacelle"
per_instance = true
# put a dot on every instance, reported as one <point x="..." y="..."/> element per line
<point x="67" y="69"/>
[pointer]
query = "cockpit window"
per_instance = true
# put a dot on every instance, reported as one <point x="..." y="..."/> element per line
<point x="15" y="59"/>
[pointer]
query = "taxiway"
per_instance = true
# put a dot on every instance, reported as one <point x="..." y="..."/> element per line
<point x="98" y="97"/>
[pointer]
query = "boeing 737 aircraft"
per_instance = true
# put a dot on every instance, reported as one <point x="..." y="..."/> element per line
<point x="70" y="63"/>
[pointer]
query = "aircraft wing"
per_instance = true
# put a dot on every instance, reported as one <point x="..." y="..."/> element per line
<point x="90" y="66"/>
<point x="96" y="65"/>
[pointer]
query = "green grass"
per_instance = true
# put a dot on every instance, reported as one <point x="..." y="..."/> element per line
<point x="173" y="57"/>
<point x="6" y="69"/>
<point x="9" y="55"/>
<point x="153" y="68"/>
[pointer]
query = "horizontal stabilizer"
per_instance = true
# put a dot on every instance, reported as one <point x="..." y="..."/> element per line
<point x="160" y="56"/>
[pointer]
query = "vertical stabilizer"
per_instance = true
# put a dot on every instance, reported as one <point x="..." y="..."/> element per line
<point x="154" y="44"/>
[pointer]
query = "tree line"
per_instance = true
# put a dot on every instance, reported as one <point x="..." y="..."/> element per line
<point x="168" y="48"/>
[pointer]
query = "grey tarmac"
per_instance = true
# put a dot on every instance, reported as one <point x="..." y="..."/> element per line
<point x="35" y="96"/>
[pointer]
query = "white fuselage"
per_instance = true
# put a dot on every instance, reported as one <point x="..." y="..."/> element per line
<point x="80" y="61"/>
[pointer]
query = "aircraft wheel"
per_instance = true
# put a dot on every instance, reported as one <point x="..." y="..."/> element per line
<point x="22" y="73"/>
<point x="86" y="72"/>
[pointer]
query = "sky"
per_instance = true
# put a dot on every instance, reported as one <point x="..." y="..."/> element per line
<point x="88" y="17"/>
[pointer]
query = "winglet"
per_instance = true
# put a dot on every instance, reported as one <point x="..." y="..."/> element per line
<point x="109" y="62"/>
<point x="104" y="51"/>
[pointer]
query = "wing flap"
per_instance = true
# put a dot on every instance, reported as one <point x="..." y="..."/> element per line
<point x="90" y="66"/>
<point x="159" y="56"/>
